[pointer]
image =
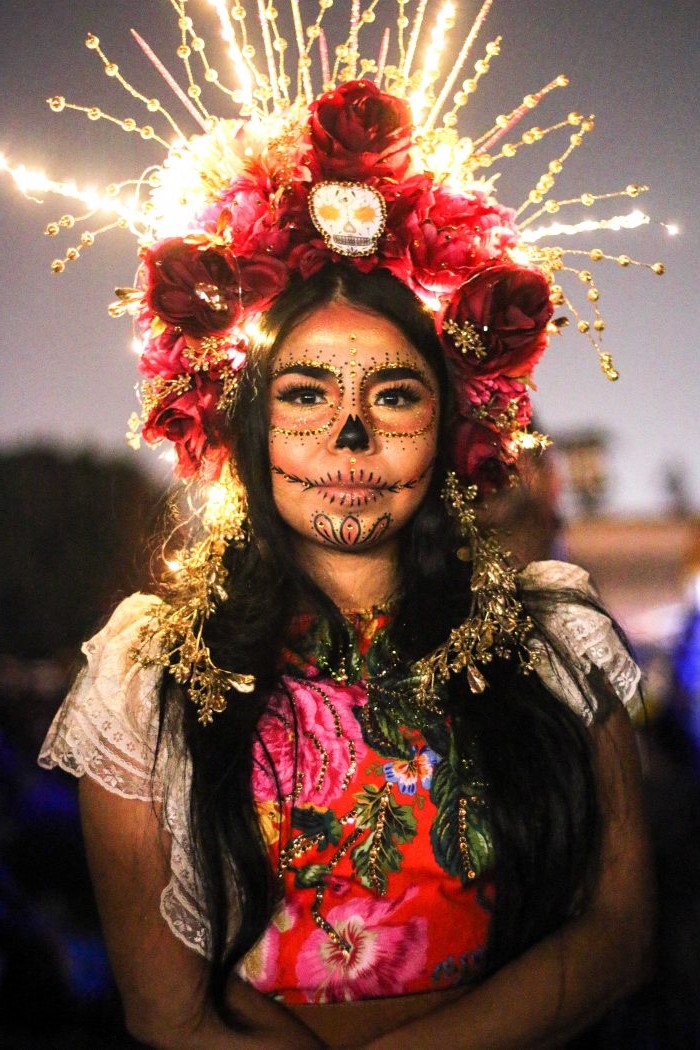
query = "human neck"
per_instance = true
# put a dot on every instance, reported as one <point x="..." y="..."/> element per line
<point x="352" y="581"/>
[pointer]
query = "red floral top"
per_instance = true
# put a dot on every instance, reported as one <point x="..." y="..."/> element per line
<point x="381" y="842"/>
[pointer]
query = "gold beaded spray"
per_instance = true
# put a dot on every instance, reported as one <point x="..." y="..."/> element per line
<point x="272" y="95"/>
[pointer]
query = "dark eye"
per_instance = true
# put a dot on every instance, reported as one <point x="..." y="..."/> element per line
<point x="400" y="396"/>
<point x="302" y="394"/>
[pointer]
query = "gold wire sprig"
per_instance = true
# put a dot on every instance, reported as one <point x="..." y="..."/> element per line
<point x="497" y="624"/>
<point x="587" y="199"/>
<point x="528" y="138"/>
<point x="174" y="636"/>
<point x="147" y="132"/>
<point x="111" y="69"/>
<point x="457" y="66"/>
<point x="347" y="53"/>
<point x="547" y="181"/>
<point x="470" y="85"/>
<point x="506" y="122"/>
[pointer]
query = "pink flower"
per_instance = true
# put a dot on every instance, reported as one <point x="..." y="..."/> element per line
<point x="259" y="967"/>
<point x="164" y="355"/>
<point x="458" y="233"/>
<point x="498" y="400"/>
<point x="329" y="741"/>
<point x="385" y="954"/>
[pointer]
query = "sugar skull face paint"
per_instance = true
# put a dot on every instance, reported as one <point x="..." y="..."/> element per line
<point x="353" y="428"/>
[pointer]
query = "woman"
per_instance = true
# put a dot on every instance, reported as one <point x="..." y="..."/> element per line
<point x="404" y="806"/>
<point x="337" y="434"/>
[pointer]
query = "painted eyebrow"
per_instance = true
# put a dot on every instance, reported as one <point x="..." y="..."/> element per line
<point x="395" y="372"/>
<point x="310" y="371"/>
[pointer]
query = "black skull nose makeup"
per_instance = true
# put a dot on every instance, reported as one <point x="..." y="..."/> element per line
<point x="353" y="435"/>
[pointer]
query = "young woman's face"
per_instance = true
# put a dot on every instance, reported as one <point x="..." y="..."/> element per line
<point x="353" y="428"/>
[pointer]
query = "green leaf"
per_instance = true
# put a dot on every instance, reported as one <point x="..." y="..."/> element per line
<point x="311" y="821"/>
<point x="399" y="827"/>
<point x="311" y="875"/>
<point x="446" y="790"/>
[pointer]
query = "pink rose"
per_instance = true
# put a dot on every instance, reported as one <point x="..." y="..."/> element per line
<point x="495" y="399"/>
<point x="359" y="132"/>
<point x="322" y="758"/>
<point x="508" y="307"/>
<point x="164" y="355"/>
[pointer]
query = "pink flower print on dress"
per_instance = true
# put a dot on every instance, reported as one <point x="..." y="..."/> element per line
<point x="259" y="967"/>
<point x="384" y="955"/>
<point x="407" y="774"/>
<point x="328" y="747"/>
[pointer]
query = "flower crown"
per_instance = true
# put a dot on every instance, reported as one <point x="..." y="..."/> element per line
<point x="371" y="170"/>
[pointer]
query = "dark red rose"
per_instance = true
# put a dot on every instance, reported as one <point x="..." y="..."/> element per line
<point x="508" y="307"/>
<point x="164" y="354"/>
<point x="482" y="456"/>
<point x="259" y="279"/>
<point x="193" y="423"/>
<point x="359" y="132"/>
<point x="191" y="288"/>
<point x="310" y="257"/>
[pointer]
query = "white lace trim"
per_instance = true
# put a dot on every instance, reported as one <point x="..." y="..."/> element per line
<point x="586" y="636"/>
<point x="107" y="727"/>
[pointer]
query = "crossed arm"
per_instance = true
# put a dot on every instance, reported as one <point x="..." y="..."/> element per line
<point x="555" y="990"/>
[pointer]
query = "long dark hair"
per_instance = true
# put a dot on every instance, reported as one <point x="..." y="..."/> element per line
<point x="534" y="752"/>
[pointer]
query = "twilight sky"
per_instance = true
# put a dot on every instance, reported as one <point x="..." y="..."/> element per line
<point x="67" y="374"/>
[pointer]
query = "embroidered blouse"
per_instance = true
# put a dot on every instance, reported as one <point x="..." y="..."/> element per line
<point x="382" y="840"/>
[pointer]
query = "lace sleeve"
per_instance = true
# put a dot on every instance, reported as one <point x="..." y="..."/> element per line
<point x="574" y="644"/>
<point x="107" y="728"/>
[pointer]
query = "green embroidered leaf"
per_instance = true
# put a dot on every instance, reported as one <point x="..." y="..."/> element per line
<point x="378" y="854"/>
<point x="311" y="821"/>
<point x="445" y="791"/>
<point x="381" y="730"/>
<point x="311" y="875"/>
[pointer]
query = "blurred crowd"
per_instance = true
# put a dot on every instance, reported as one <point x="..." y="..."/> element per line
<point x="73" y="539"/>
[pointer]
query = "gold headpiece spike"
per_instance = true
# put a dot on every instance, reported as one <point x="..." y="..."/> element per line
<point x="459" y="64"/>
<point x="557" y="229"/>
<point x="353" y="48"/>
<point x="587" y="199"/>
<point x="171" y="82"/>
<point x="405" y="67"/>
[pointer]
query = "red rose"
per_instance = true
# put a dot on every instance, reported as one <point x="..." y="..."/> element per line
<point x="482" y="456"/>
<point x="508" y="307"/>
<point x="359" y="132"/>
<point x="193" y="424"/>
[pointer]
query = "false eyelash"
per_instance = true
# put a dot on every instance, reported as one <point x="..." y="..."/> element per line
<point x="290" y="392"/>
<point x="404" y="389"/>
